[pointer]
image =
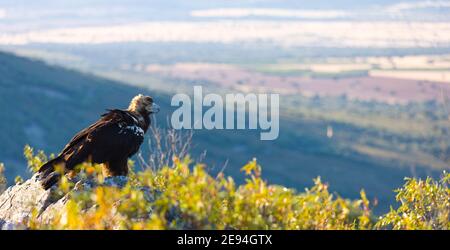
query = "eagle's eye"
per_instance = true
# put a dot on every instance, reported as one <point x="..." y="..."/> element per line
<point x="148" y="99"/>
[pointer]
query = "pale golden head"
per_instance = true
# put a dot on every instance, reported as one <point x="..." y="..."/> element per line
<point x="143" y="104"/>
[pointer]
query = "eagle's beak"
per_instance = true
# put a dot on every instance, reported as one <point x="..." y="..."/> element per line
<point x="154" y="108"/>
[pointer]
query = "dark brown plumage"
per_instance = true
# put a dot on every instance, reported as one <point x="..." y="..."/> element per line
<point x="114" y="138"/>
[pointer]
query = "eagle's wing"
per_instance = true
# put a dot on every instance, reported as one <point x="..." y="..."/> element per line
<point x="107" y="117"/>
<point x="114" y="138"/>
<point x="48" y="176"/>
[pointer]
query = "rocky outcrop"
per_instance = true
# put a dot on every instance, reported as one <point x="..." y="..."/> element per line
<point x="18" y="202"/>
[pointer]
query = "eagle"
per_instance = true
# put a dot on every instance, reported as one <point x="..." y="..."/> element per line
<point x="110" y="141"/>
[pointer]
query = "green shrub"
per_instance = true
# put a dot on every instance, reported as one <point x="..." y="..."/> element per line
<point x="2" y="178"/>
<point x="425" y="204"/>
<point x="183" y="196"/>
<point x="193" y="199"/>
<point x="34" y="161"/>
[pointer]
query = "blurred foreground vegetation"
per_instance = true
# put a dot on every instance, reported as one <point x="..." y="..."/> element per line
<point x="184" y="196"/>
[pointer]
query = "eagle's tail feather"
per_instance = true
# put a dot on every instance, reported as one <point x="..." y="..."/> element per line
<point x="50" y="180"/>
<point x="47" y="175"/>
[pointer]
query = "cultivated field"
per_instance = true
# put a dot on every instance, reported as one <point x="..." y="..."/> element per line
<point x="312" y="80"/>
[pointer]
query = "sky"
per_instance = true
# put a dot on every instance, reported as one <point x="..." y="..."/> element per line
<point x="377" y="24"/>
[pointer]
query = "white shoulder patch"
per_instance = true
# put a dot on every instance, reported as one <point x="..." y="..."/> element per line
<point x="136" y="130"/>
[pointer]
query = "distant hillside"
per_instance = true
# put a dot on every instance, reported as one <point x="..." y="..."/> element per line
<point x="44" y="106"/>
